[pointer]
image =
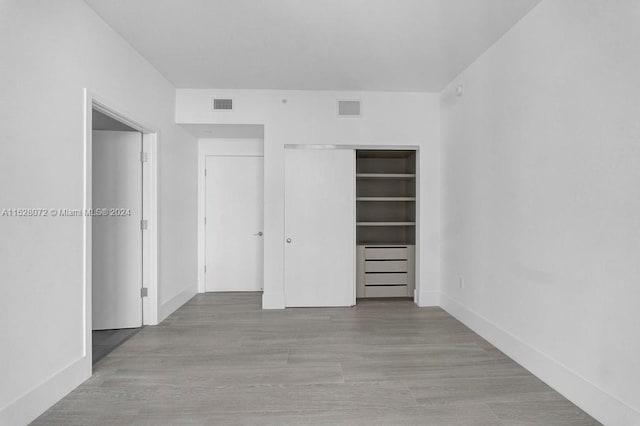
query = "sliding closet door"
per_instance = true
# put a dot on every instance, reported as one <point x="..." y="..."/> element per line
<point x="319" y="227"/>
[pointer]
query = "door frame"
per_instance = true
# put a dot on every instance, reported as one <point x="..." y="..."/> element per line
<point x="221" y="147"/>
<point x="149" y="208"/>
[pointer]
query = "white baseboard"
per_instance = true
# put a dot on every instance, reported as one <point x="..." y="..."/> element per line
<point x="428" y="298"/>
<point x="601" y="405"/>
<point x="32" y="404"/>
<point x="170" y="306"/>
<point x="272" y="301"/>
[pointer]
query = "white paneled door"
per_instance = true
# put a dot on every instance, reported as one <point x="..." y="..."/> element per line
<point x="319" y="227"/>
<point x="234" y="223"/>
<point x="116" y="233"/>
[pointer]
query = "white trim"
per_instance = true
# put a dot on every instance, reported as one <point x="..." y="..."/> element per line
<point x="174" y="303"/>
<point x="38" y="399"/>
<point x="226" y="147"/>
<point x="150" y="242"/>
<point x="354" y="147"/>
<point x="417" y="285"/>
<point x="600" y="404"/>
<point x="427" y="298"/>
<point x="273" y="301"/>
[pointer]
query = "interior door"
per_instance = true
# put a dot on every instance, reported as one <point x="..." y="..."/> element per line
<point x="116" y="233"/>
<point x="319" y="227"/>
<point x="234" y="223"/>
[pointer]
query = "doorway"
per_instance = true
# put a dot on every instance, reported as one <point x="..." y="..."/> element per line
<point x="230" y="207"/>
<point x="120" y="227"/>
<point x="117" y="235"/>
<point x="233" y="223"/>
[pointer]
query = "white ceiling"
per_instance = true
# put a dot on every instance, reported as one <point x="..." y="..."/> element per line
<point x="403" y="45"/>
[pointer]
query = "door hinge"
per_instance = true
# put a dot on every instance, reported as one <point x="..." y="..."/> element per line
<point x="205" y="172"/>
<point x="205" y="269"/>
<point x="144" y="157"/>
<point x="144" y="292"/>
<point x="205" y="220"/>
<point x="144" y="224"/>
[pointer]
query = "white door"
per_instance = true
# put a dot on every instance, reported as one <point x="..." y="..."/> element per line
<point x="116" y="236"/>
<point x="234" y="223"/>
<point x="319" y="227"/>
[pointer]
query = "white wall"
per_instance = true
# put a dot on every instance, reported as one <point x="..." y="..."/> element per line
<point x="540" y="210"/>
<point x="50" y="51"/>
<point x="309" y="117"/>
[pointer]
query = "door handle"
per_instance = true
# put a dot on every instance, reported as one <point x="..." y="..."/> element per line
<point x="259" y="234"/>
<point x="289" y="240"/>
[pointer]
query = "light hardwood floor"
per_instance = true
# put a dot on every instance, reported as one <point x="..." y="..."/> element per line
<point x="221" y="360"/>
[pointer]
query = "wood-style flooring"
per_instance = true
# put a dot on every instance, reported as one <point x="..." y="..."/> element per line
<point x="222" y="360"/>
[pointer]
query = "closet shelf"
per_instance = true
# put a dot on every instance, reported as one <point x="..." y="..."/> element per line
<point x="385" y="223"/>
<point x="386" y="175"/>
<point x="385" y="198"/>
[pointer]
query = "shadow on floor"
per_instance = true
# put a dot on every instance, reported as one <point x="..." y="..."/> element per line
<point x="105" y="341"/>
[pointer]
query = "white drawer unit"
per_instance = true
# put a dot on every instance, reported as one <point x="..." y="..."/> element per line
<point x="385" y="253"/>
<point x="385" y="271"/>
<point x="385" y="291"/>
<point x="385" y="266"/>
<point x="385" y="278"/>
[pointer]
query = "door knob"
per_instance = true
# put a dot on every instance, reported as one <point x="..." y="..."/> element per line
<point x="289" y="240"/>
<point x="259" y="234"/>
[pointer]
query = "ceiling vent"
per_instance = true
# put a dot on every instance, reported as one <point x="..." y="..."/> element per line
<point x="349" y="108"/>
<point x="222" y="104"/>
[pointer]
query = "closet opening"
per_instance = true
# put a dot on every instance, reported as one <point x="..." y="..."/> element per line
<point x="385" y="223"/>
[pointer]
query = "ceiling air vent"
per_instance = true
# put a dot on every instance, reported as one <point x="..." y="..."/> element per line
<point x="349" y="109"/>
<point x="222" y="104"/>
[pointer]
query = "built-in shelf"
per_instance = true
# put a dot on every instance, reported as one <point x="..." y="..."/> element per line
<point x="386" y="175"/>
<point x="385" y="223"/>
<point x="386" y="198"/>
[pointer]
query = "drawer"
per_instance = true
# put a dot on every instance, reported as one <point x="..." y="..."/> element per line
<point x="387" y="291"/>
<point x="385" y="266"/>
<point x="382" y="279"/>
<point x="390" y="253"/>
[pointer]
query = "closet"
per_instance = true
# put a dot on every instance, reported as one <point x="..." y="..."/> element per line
<point x="349" y="224"/>
<point x="385" y="223"/>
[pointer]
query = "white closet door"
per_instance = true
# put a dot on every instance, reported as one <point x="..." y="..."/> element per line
<point x="319" y="227"/>
<point x="117" y="239"/>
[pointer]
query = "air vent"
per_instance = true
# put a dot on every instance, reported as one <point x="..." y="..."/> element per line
<point x="349" y="108"/>
<point x="223" y="104"/>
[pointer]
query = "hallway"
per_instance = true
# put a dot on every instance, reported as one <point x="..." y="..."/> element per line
<point x="220" y="359"/>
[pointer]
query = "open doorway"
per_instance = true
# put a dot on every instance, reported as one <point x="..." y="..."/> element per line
<point x="117" y="235"/>
<point x="120" y="228"/>
<point x="230" y="207"/>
